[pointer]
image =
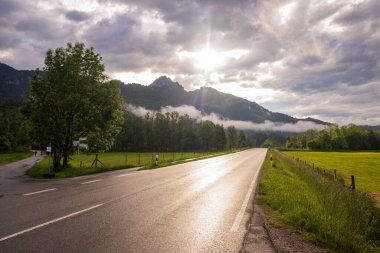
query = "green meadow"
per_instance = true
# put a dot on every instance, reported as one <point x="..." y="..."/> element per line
<point x="13" y="157"/>
<point x="319" y="207"/>
<point x="81" y="165"/>
<point x="365" y="166"/>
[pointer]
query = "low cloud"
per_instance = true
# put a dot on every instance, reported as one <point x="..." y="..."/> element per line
<point x="191" y="111"/>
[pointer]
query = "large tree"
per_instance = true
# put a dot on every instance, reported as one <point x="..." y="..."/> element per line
<point x="71" y="98"/>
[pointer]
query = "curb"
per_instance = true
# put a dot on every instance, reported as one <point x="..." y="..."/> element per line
<point x="257" y="238"/>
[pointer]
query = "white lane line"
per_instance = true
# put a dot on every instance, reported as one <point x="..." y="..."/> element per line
<point x="92" y="181"/>
<point x="47" y="190"/>
<point x="124" y="175"/>
<point x="49" y="222"/>
<point x="239" y="216"/>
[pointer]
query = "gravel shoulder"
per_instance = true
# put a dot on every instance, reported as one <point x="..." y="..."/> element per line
<point x="286" y="240"/>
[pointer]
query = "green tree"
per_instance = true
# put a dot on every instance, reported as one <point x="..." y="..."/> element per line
<point x="71" y="98"/>
<point x="5" y="136"/>
<point x="267" y="143"/>
<point x="231" y="137"/>
<point x="242" y="139"/>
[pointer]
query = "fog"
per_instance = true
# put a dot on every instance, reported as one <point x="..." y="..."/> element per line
<point x="192" y="112"/>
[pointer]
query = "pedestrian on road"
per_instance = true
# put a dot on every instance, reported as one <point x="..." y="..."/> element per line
<point x="35" y="152"/>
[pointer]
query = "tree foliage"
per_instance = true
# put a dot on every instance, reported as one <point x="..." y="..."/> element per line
<point x="350" y="137"/>
<point x="13" y="127"/>
<point x="71" y="98"/>
<point x="172" y="132"/>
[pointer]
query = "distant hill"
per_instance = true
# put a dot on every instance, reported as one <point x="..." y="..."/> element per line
<point x="165" y="92"/>
<point x="373" y="128"/>
<point x="14" y="83"/>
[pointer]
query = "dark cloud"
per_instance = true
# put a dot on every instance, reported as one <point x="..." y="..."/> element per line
<point x="77" y="15"/>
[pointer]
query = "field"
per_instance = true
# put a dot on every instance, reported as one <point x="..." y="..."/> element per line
<point x="81" y="165"/>
<point x="365" y="166"/>
<point x="13" y="157"/>
<point x="322" y="209"/>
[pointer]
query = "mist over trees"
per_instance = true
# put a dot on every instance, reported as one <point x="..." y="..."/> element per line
<point x="350" y="137"/>
<point x="172" y="132"/>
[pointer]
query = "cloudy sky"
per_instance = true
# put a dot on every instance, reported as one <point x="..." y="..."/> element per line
<point x="303" y="58"/>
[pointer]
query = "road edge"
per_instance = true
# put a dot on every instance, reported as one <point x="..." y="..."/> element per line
<point x="257" y="237"/>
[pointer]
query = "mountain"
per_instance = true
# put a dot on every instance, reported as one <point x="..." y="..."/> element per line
<point x="164" y="92"/>
<point x="14" y="83"/>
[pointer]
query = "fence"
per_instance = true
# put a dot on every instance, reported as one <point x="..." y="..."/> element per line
<point x="331" y="173"/>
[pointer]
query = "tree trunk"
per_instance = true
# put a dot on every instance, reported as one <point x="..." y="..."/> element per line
<point x="65" y="159"/>
<point x="66" y="153"/>
<point x="57" y="159"/>
<point x="67" y="144"/>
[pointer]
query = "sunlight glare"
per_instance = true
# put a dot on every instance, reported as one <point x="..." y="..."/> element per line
<point x="285" y="12"/>
<point x="209" y="59"/>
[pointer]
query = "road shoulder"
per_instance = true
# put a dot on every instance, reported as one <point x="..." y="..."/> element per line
<point x="264" y="235"/>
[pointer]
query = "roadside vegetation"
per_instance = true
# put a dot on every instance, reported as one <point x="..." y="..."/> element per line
<point x="13" y="157"/>
<point x="318" y="206"/>
<point x="117" y="160"/>
<point x="365" y="166"/>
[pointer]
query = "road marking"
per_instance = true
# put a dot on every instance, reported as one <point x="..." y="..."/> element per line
<point x="49" y="222"/>
<point x="239" y="216"/>
<point x="124" y="175"/>
<point x="92" y="181"/>
<point x="47" y="190"/>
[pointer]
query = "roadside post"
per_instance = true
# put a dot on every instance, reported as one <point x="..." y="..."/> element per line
<point x="271" y="160"/>
<point x="156" y="162"/>
<point x="48" y="149"/>
<point x="79" y="145"/>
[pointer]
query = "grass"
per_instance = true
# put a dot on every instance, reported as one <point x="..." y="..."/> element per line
<point x="365" y="166"/>
<point x="118" y="160"/>
<point x="13" y="157"/>
<point x="319" y="207"/>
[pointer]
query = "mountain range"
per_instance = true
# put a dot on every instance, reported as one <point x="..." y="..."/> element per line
<point x="164" y="92"/>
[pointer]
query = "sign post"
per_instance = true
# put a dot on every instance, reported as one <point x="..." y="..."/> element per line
<point x="78" y="144"/>
<point x="48" y="149"/>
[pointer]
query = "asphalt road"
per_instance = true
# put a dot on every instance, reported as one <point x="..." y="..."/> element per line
<point x="200" y="206"/>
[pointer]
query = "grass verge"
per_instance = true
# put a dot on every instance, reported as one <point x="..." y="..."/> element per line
<point x="118" y="160"/>
<point x="319" y="207"/>
<point x="365" y="166"/>
<point x="6" y="158"/>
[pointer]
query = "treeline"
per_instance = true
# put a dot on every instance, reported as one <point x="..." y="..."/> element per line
<point x="172" y="132"/>
<point x="350" y="137"/>
<point x="14" y="131"/>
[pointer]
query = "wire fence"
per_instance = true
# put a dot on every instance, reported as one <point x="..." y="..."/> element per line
<point x="327" y="172"/>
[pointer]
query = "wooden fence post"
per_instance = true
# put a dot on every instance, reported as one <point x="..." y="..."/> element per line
<point x="352" y="182"/>
<point x="335" y="174"/>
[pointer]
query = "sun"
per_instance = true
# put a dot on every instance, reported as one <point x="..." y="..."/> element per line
<point x="208" y="59"/>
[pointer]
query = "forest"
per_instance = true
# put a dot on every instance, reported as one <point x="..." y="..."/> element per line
<point x="350" y="137"/>
<point x="172" y="132"/>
